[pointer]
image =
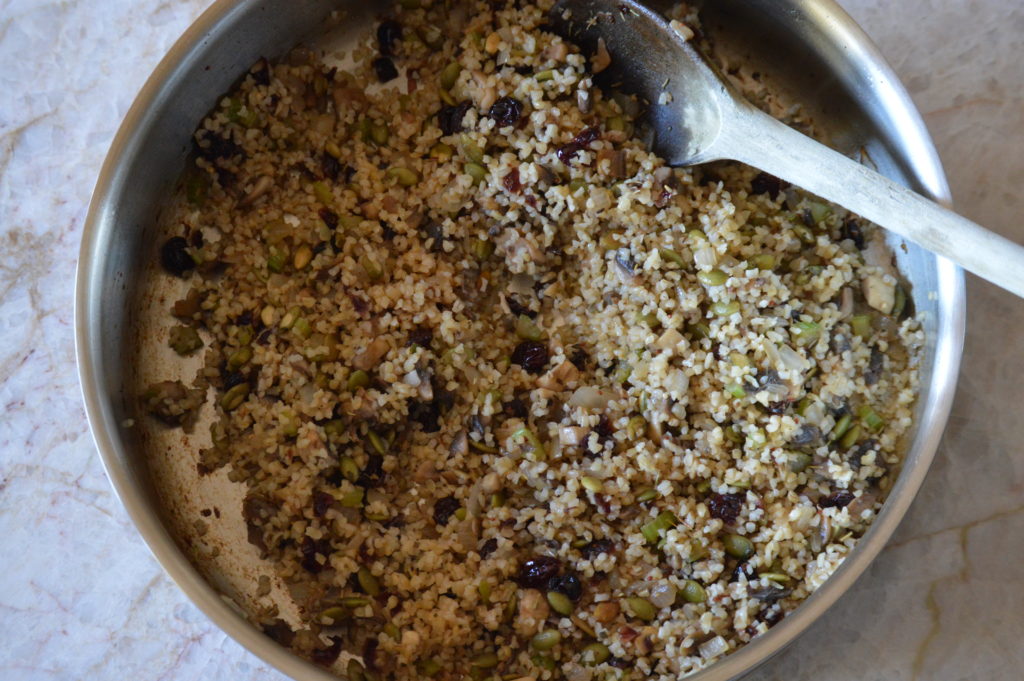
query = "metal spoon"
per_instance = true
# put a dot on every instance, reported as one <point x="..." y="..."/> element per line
<point x="707" y="120"/>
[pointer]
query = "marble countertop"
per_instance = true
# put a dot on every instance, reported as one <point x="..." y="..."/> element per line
<point x="81" y="596"/>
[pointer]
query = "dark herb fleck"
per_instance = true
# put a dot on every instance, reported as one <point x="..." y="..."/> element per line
<point x="421" y="336"/>
<point x="388" y="33"/>
<point x="175" y="258"/>
<point x="385" y="69"/>
<point x="568" y="584"/>
<point x="838" y="499"/>
<point x="372" y="474"/>
<point x="489" y="547"/>
<point x="852" y="231"/>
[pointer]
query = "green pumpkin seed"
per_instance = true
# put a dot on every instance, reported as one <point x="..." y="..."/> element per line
<point x="475" y="171"/>
<point x="368" y="582"/>
<point x="693" y="592"/>
<point x="234" y="397"/>
<point x="725" y="308"/>
<point x="354" y="671"/>
<point x="860" y="324"/>
<point x="668" y="255"/>
<point x="546" y="640"/>
<point x="649" y="494"/>
<point x="560" y="603"/>
<point x="240" y="358"/>
<point x="738" y="546"/>
<point x="449" y="75"/>
<point x="428" y="668"/>
<point x="594" y="654"/>
<point x="354" y="602"/>
<point x="403" y="176"/>
<point x="641" y="608"/>
<point x="334" y="615"/>
<point x="357" y="379"/>
<point x="377" y="442"/>
<point x="353" y="499"/>
<point x="484" y="661"/>
<point x="713" y="277"/>
<point x="799" y="461"/>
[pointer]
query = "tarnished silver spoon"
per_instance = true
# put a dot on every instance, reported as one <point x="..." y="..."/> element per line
<point x="707" y="120"/>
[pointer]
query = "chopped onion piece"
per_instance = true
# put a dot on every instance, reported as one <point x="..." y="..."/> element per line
<point x="590" y="397"/>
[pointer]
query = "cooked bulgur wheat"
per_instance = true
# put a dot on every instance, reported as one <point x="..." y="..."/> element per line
<point x="510" y="397"/>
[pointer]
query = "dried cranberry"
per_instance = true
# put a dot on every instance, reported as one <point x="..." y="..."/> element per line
<point x="619" y="663"/>
<point x="536" y="572"/>
<point x="261" y="72"/>
<point x="330" y="166"/>
<point x="725" y="507"/>
<point x="854" y="456"/>
<point x="321" y="502"/>
<point x="444" y="509"/>
<point x="597" y="547"/>
<point x="372" y="474"/>
<point x="568" y="151"/>
<point x="309" y="549"/>
<point x="327" y="656"/>
<point x="388" y="33"/>
<point x="579" y="357"/>
<point x="421" y="336"/>
<point x="506" y="111"/>
<point x="531" y="355"/>
<point x="511" y="182"/>
<point x="280" y="631"/>
<point x="175" y="258"/>
<point x="212" y="146"/>
<point x="567" y="584"/>
<point x="838" y="499"/>
<point x="450" y="117"/>
<point x="489" y="547"/>
<point x="385" y="69"/>
<point x="771" y="616"/>
<point x="370" y="653"/>
<point x="329" y="217"/>
<point x="764" y="183"/>
<point x="516" y="408"/>
<point x="426" y="414"/>
<point x="603" y="429"/>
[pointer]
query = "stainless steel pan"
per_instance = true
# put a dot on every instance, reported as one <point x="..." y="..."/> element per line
<point x="811" y="48"/>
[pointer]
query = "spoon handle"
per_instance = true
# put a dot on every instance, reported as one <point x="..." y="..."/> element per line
<point x="763" y="142"/>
